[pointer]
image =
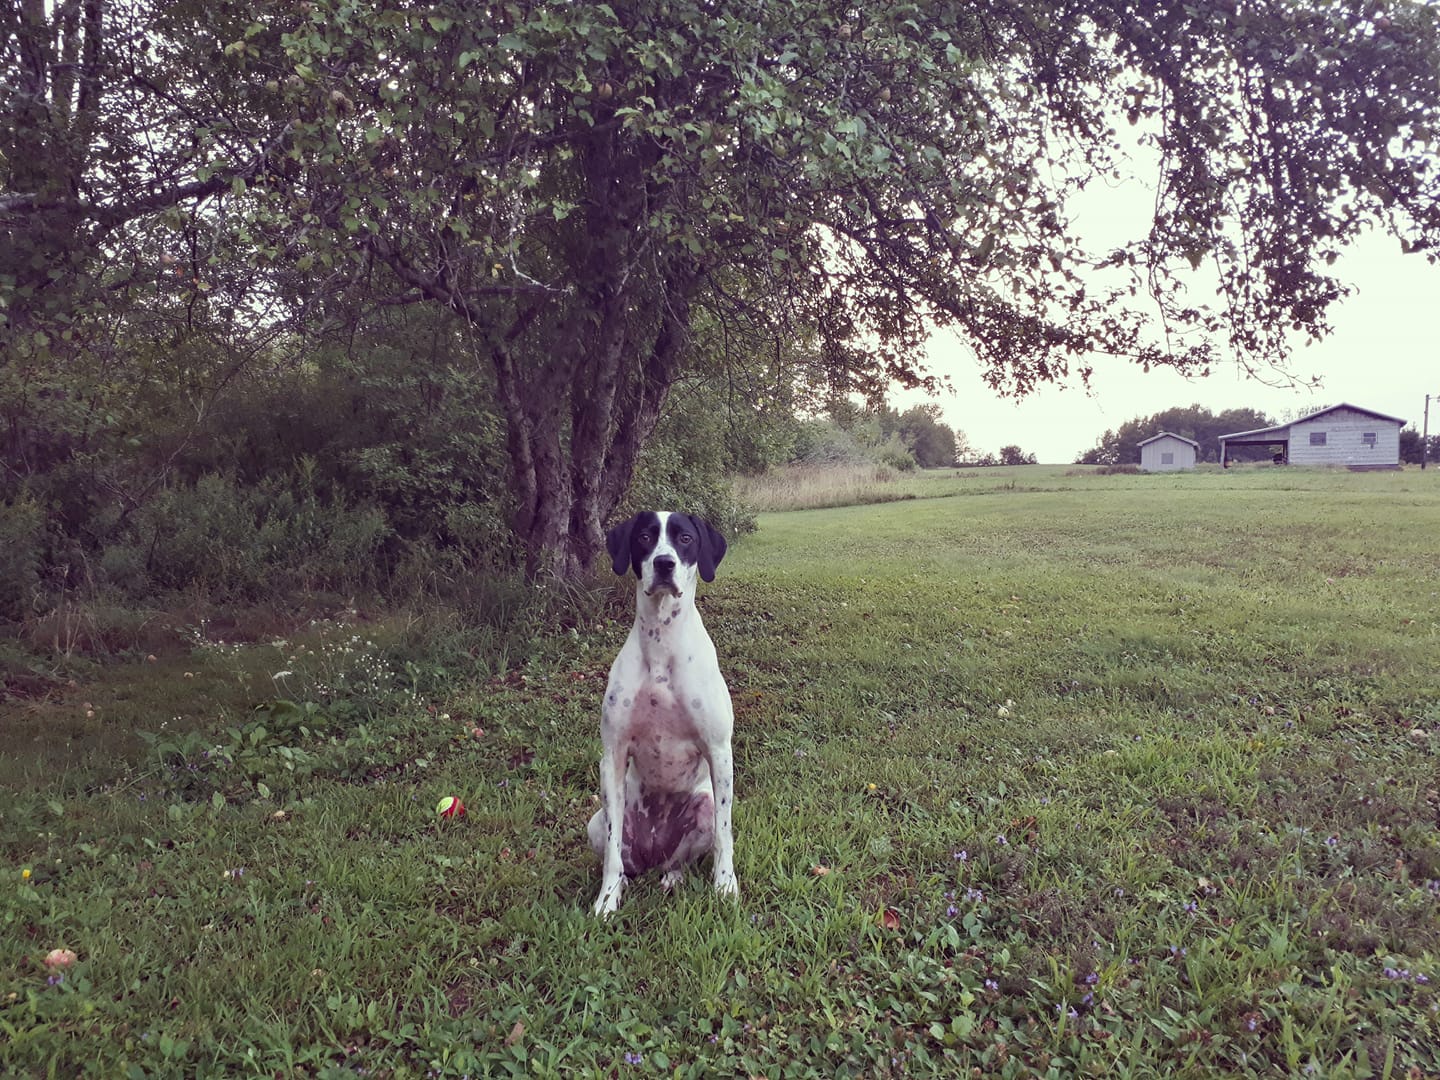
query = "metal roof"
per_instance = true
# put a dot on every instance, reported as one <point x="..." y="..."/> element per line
<point x="1169" y="435"/>
<point x="1278" y="428"/>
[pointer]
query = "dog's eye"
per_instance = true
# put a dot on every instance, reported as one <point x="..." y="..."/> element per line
<point x="685" y="538"/>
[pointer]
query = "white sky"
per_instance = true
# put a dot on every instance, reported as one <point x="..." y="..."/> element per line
<point x="1384" y="355"/>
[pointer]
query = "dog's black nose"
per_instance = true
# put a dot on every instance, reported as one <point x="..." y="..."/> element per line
<point x="664" y="565"/>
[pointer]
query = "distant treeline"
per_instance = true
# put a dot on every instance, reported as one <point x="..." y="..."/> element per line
<point x="1122" y="446"/>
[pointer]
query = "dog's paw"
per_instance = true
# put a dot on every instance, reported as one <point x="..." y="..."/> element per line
<point x="672" y="880"/>
<point x="608" y="902"/>
<point x="726" y="885"/>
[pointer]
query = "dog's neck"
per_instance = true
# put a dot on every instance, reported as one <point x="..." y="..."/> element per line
<point x="659" y="616"/>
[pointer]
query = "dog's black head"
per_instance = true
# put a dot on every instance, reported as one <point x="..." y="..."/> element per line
<point x="659" y="545"/>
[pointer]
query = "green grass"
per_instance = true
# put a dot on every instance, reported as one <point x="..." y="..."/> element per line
<point x="1188" y="705"/>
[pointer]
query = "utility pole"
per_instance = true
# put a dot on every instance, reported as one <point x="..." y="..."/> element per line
<point x="1425" y="434"/>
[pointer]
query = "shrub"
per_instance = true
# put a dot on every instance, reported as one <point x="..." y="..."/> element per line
<point x="22" y="542"/>
<point x="900" y="461"/>
<point x="243" y="543"/>
<point x="665" y="480"/>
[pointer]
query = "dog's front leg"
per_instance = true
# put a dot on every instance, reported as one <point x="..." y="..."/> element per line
<point x="722" y="777"/>
<point x="612" y="797"/>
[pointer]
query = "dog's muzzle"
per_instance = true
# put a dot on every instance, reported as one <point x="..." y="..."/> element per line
<point x="662" y="577"/>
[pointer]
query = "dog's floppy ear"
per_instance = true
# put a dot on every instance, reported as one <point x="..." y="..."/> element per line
<point x="617" y="543"/>
<point x="712" y="547"/>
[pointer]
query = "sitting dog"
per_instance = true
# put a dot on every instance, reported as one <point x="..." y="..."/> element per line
<point x="666" y="771"/>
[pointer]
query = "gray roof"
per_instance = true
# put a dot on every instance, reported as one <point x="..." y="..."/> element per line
<point x="1282" y="428"/>
<point x="1169" y="435"/>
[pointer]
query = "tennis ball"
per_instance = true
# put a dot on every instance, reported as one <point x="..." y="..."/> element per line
<point x="450" y="807"/>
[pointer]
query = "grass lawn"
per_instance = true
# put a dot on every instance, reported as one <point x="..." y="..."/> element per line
<point x="1045" y="774"/>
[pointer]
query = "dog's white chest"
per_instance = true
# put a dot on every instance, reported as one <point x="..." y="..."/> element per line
<point x="663" y="739"/>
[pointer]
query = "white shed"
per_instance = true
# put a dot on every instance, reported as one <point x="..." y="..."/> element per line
<point x="1340" y="435"/>
<point x="1167" y="453"/>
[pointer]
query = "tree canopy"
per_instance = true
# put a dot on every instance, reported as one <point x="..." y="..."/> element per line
<point x="1122" y="446"/>
<point x="600" y="194"/>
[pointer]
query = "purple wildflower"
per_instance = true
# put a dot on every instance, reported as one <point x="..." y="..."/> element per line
<point x="632" y="1058"/>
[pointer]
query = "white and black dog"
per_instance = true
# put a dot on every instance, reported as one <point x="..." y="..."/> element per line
<point x="666" y="771"/>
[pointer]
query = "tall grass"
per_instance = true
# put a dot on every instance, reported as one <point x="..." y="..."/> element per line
<point x="813" y="487"/>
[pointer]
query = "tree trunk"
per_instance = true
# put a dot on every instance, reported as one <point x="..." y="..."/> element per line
<point x="566" y="489"/>
<point x="645" y="395"/>
<point x="609" y="361"/>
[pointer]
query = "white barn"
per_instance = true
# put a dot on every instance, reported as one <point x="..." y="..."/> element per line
<point x="1340" y="435"/>
<point x="1168" y="452"/>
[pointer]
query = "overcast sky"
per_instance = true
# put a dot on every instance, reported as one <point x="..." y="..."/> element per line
<point x="1384" y="355"/>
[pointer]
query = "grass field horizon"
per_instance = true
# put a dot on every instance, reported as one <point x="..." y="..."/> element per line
<point x="1040" y="772"/>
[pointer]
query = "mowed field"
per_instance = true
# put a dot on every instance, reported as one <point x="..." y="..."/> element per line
<point x="1040" y="773"/>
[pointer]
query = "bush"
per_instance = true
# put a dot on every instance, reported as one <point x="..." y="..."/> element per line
<point x="822" y="442"/>
<point x="900" y="461"/>
<point x="665" y="480"/>
<point x="22" y="544"/>
<point x="233" y="542"/>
